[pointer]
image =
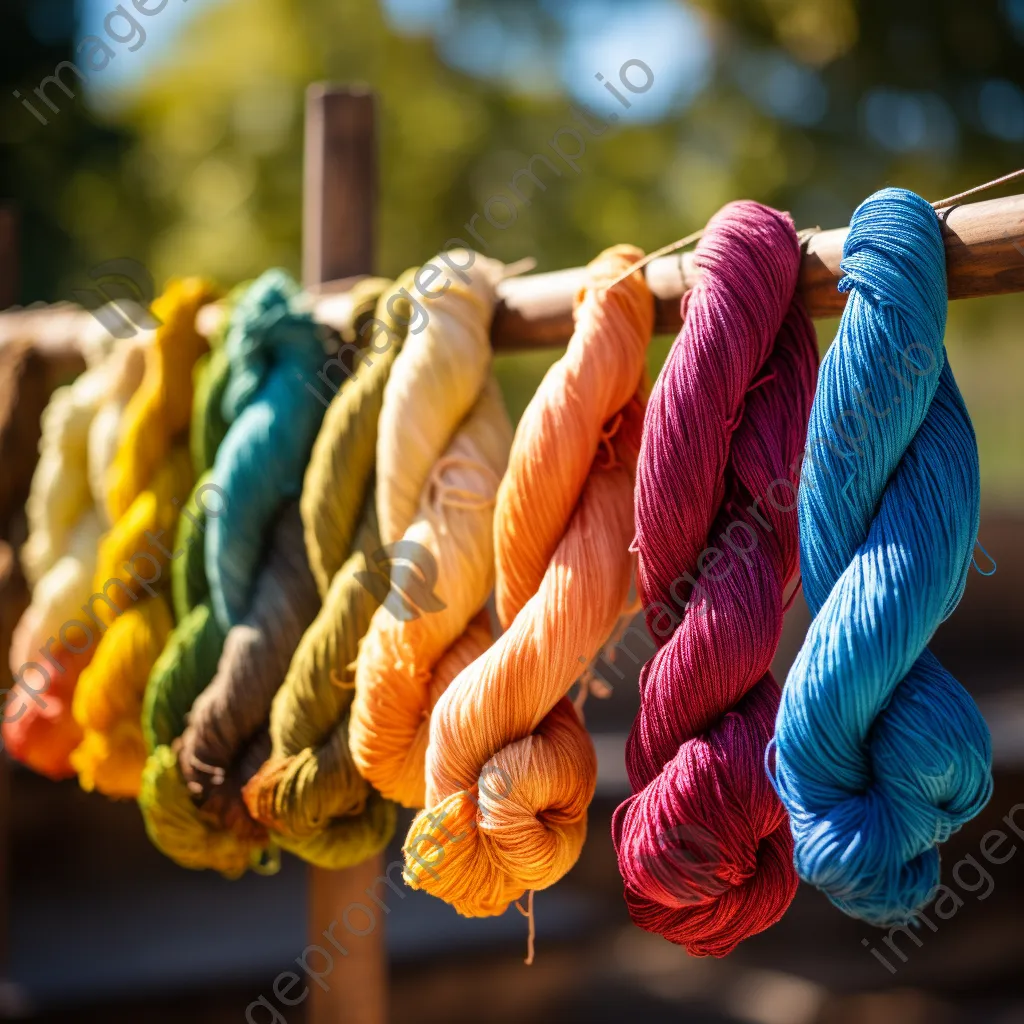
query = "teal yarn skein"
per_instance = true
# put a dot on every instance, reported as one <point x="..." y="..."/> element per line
<point x="880" y="754"/>
<point x="273" y="422"/>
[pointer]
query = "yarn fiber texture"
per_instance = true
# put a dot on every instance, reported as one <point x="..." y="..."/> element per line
<point x="510" y="769"/>
<point x="66" y="521"/>
<point x="147" y="481"/>
<point x="703" y="844"/>
<point x="309" y="793"/>
<point x="880" y="755"/>
<point x="443" y="424"/>
<point x="260" y="463"/>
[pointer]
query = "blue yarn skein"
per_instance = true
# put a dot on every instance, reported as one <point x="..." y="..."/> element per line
<point x="273" y="423"/>
<point x="880" y="754"/>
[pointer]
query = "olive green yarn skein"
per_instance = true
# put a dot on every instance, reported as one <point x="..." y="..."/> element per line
<point x="309" y="793"/>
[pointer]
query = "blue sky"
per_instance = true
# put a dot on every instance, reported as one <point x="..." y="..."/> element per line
<point x="600" y="36"/>
<point x="161" y="30"/>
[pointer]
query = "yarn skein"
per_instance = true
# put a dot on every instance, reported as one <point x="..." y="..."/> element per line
<point x="260" y="462"/>
<point x="510" y="769"/>
<point x="443" y="422"/>
<point x="133" y="558"/>
<point x="192" y="791"/>
<point x="309" y="793"/>
<point x="189" y="661"/>
<point x="75" y="448"/>
<point x="880" y="755"/>
<point x="703" y="844"/>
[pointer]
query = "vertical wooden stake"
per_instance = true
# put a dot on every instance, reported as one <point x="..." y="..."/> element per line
<point x="340" y="188"/>
<point x="339" y="197"/>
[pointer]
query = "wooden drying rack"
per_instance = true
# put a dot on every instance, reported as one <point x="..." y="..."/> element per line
<point x="984" y="255"/>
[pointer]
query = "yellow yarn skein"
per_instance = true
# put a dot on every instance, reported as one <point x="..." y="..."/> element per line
<point x="148" y="479"/>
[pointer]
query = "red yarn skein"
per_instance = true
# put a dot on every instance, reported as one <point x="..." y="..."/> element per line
<point x="703" y="844"/>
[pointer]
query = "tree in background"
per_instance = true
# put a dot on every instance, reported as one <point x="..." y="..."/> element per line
<point x="56" y="174"/>
<point x="808" y="105"/>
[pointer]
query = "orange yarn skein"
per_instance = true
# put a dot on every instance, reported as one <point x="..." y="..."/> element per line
<point x="563" y="526"/>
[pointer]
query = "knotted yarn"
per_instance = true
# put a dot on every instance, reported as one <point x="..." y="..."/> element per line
<point x="510" y="769"/>
<point x="147" y="481"/>
<point x="309" y="793"/>
<point x="261" y="461"/>
<point x="66" y="519"/>
<point x="703" y="844"/>
<point x="880" y="755"/>
<point x="443" y="427"/>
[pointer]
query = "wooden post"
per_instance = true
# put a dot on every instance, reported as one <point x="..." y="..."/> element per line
<point x="338" y="210"/>
<point x="340" y="187"/>
<point x="10" y="276"/>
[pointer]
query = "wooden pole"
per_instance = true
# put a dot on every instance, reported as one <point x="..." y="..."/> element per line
<point x="338" y="208"/>
<point x="984" y="256"/>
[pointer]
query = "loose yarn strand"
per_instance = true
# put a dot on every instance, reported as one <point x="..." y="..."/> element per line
<point x="949" y="201"/>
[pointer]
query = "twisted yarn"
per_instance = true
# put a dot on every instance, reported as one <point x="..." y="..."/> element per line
<point x="191" y="788"/>
<point x="146" y="482"/>
<point x="66" y="520"/>
<point x="703" y="844"/>
<point x="563" y="522"/>
<point x="189" y="660"/>
<point x="192" y="799"/>
<point x="260" y="462"/>
<point x="443" y="423"/>
<point x="880" y="755"/>
<point x="309" y="793"/>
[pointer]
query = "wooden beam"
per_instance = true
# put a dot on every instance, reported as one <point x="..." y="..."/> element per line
<point x="984" y="256"/>
<point x="338" y="209"/>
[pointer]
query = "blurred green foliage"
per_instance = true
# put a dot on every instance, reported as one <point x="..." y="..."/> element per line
<point x="810" y="105"/>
